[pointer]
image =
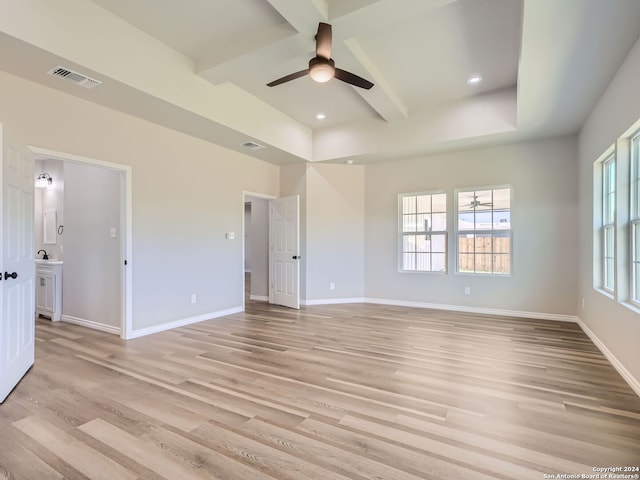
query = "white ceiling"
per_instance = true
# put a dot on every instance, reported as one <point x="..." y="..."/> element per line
<point x="201" y="66"/>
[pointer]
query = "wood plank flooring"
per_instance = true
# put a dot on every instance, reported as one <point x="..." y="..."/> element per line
<point x="334" y="392"/>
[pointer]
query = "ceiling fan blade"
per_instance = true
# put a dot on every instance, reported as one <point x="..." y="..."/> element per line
<point x="288" y="78"/>
<point x="323" y="40"/>
<point x="353" y="79"/>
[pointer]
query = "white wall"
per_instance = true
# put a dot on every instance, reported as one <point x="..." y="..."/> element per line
<point x="335" y="232"/>
<point x="186" y="194"/>
<point x="615" y="325"/>
<point x="544" y="223"/>
<point x="91" y="273"/>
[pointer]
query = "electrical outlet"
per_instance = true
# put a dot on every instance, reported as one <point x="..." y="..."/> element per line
<point x="194" y="298"/>
<point x="467" y="290"/>
<point x="332" y="286"/>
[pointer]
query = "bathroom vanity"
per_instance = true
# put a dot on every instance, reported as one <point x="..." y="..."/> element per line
<point x="49" y="289"/>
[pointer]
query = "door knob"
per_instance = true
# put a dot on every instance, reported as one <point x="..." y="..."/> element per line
<point x="8" y="275"/>
<point x="296" y="257"/>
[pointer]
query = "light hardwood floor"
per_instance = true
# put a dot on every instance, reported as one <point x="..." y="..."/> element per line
<point x="324" y="393"/>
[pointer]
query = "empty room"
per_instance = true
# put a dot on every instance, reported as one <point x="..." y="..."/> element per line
<point x="320" y="239"/>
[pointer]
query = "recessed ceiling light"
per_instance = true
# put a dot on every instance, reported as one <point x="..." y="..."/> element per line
<point x="474" y="79"/>
<point x="321" y="116"/>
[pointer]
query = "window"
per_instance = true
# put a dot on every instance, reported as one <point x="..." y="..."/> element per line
<point x="635" y="219"/>
<point x="484" y="231"/>
<point x="423" y="232"/>
<point x="608" y="222"/>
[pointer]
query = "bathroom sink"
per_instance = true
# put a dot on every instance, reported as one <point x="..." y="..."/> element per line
<point x="51" y="261"/>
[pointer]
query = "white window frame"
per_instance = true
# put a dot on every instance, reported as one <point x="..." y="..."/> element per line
<point x="403" y="232"/>
<point x="484" y="231"/>
<point x="608" y="226"/>
<point x="634" y="220"/>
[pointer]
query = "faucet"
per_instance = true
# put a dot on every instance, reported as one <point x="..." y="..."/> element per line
<point x="45" y="256"/>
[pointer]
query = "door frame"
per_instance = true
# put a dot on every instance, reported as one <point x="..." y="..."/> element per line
<point x="126" y="220"/>
<point x="245" y="194"/>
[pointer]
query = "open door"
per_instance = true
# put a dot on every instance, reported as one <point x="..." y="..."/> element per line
<point x="284" y="251"/>
<point x="17" y="290"/>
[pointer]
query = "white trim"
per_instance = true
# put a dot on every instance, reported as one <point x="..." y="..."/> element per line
<point x="332" y="301"/>
<point x="481" y="310"/>
<point x="622" y="370"/>
<point x="184" y="322"/>
<point x="126" y="249"/>
<point x="91" y="324"/>
<point x="259" y="298"/>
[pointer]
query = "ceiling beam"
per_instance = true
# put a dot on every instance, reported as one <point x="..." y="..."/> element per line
<point x="382" y="98"/>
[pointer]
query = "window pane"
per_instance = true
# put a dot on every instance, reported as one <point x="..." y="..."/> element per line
<point x="409" y="223"/>
<point x="466" y="263"/>
<point x="501" y="243"/>
<point x="502" y="220"/>
<point x="484" y="263"/>
<point x="439" y="262"/>
<point x="421" y="243"/>
<point x="422" y="222"/>
<point x="466" y="243"/>
<point x="484" y="220"/>
<point x="465" y="201"/>
<point x="439" y="222"/>
<point x="408" y="243"/>
<point x="423" y="204"/>
<point x="438" y="243"/>
<point x="483" y="200"/>
<point x="439" y="203"/>
<point x="501" y="263"/>
<point x="466" y="221"/>
<point x="636" y="241"/>
<point x="609" y="275"/>
<point x="483" y="243"/>
<point x="408" y="261"/>
<point x="608" y="240"/>
<point x="423" y="262"/>
<point x="636" y="271"/>
<point x="502" y="199"/>
<point x="409" y="204"/>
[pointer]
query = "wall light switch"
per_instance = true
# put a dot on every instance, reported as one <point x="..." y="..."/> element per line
<point x="230" y="235"/>
<point x="113" y="233"/>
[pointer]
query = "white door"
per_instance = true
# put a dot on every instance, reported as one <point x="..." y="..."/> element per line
<point x="284" y="251"/>
<point x="17" y="310"/>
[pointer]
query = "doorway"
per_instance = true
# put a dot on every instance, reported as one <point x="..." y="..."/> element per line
<point x="94" y="241"/>
<point x="255" y="247"/>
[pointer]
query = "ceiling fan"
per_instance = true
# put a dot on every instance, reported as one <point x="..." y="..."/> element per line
<point x="475" y="203"/>
<point x="322" y="68"/>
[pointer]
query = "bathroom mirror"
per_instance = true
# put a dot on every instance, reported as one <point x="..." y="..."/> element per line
<point x="49" y="226"/>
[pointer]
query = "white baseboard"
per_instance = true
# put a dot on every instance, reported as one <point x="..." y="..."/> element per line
<point x="259" y="298"/>
<point x="481" y="310"/>
<point x="91" y="324"/>
<point x="622" y="370"/>
<point x="332" y="301"/>
<point x="141" y="332"/>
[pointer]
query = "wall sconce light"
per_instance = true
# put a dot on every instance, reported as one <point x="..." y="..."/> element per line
<point x="44" y="180"/>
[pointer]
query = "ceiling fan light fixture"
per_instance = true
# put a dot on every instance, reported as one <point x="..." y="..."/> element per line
<point x="474" y="79"/>
<point x="321" y="69"/>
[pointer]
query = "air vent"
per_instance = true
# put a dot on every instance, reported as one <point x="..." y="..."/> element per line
<point x="74" y="77"/>
<point x="253" y="145"/>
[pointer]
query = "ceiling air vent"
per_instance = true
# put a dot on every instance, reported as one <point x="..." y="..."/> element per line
<point x="253" y="145"/>
<point x="74" y="77"/>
